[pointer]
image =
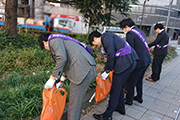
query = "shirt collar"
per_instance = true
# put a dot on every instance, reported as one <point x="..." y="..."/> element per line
<point x="161" y="30"/>
<point x="132" y="27"/>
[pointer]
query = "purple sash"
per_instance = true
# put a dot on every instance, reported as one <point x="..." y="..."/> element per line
<point x="162" y="47"/>
<point x="62" y="36"/>
<point x="142" y="38"/>
<point x="123" y="51"/>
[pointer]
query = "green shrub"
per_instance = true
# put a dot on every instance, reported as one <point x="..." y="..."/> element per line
<point x="21" y="102"/>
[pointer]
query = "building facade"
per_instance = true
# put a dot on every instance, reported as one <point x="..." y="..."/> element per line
<point x="154" y="11"/>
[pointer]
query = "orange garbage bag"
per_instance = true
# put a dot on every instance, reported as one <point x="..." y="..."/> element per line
<point x="149" y="49"/>
<point x="103" y="87"/>
<point x="53" y="103"/>
<point x="111" y="75"/>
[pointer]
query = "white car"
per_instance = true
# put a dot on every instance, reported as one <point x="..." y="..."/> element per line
<point x="116" y="30"/>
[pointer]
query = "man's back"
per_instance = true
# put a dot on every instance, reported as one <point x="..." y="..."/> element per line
<point x="72" y="58"/>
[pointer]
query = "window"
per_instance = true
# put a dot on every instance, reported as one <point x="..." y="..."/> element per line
<point x="63" y="22"/>
<point x="153" y="9"/>
<point x="165" y="13"/>
<point x="172" y="13"/>
<point x="140" y="9"/>
<point x="178" y="14"/>
<point x="148" y="9"/>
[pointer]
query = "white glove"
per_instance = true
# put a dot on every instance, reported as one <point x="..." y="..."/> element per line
<point x="49" y="83"/>
<point x="60" y="84"/>
<point x="104" y="75"/>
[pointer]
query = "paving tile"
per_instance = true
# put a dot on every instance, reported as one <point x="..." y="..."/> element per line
<point x="148" y="83"/>
<point x="159" y="86"/>
<point x="161" y="103"/>
<point x="167" y="118"/>
<point x="152" y="115"/>
<point x="167" y="97"/>
<point x="153" y="92"/>
<point x="178" y="93"/>
<point x="149" y="117"/>
<point x="147" y="101"/>
<point x="176" y="100"/>
<point x="145" y="88"/>
<point x="134" y="113"/>
<point x="158" y="109"/>
<point x="127" y="118"/>
<point x="170" y="89"/>
<point x="176" y="85"/>
<point x="170" y="111"/>
<point x="166" y="82"/>
<point x="139" y="108"/>
<point x="117" y="116"/>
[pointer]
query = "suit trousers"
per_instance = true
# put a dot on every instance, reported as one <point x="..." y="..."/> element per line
<point x="116" y="99"/>
<point x="77" y="93"/>
<point x="157" y="66"/>
<point x="135" y="79"/>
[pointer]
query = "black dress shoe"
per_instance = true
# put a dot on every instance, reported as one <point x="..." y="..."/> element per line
<point x="101" y="117"/>
<point x="122" y="112"/>
<point x="128" y="103"/>
<point x="139" y="100"/>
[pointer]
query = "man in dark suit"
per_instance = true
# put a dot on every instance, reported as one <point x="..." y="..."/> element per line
<point x="160" y="51"/>
<point x="74" y="60"/>
<point x="121" y="58"/>
<point x="136" y="38"/>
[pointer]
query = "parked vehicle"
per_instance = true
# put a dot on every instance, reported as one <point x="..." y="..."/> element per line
<point x="116" y="30"/>
<point x="56" y="22"/>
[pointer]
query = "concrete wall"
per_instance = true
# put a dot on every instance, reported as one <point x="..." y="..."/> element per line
<point x="60" y="10"/>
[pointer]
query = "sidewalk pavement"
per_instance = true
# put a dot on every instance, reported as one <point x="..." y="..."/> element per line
<point x="161" y="99"/>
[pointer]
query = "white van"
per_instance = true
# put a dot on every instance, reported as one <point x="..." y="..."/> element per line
<point x="116" y="30"/>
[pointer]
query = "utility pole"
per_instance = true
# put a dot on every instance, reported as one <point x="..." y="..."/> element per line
<point x="169" y="13"/>
<point x="143" y="13"/>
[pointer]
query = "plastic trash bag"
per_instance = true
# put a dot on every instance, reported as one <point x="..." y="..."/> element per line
<point x="103" y="87"/>
<point x="53" y="103"/>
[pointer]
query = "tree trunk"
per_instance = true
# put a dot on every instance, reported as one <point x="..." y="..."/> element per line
<point x="10" y="24"/>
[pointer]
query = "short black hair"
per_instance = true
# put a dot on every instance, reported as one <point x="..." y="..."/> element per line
<point x="127" y="21"/>
<point x="43" y="37"/>
<point x="158" y="25"/>
<point x="92" y="35"/>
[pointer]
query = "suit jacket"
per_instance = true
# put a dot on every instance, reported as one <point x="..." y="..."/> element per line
<point x="161" y="39"/>
<point x="70" y="58"/>
<point x="112" y="43"/>
<point x="139" y="47"/>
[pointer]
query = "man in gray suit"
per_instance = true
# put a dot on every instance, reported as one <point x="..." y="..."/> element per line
<point x="74" y="60"/>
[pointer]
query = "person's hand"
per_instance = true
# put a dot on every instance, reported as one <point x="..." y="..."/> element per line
<point x="50" y="83"/>
<point x="104" y="75"/>
<point x="63" y="78"/>
<point x="60" y="83"/>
